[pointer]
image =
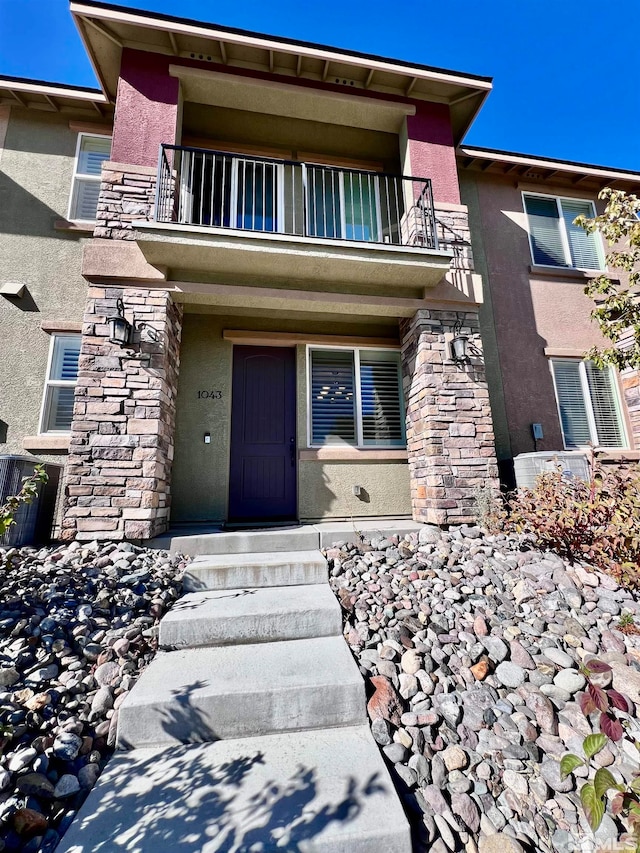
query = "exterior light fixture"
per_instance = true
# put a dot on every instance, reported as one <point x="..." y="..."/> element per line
<point x="461" y="347"/>
<point x="120" y="329"/>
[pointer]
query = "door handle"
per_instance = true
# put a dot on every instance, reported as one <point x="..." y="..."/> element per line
<point x="292" y="450"/>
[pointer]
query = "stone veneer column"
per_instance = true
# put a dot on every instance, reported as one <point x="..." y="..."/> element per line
<point x="449" y="428"/>
<point x="118" y="473"/>
<point x="631" y="391"/>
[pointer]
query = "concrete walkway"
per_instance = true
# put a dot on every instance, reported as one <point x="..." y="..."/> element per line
<point x="248" y="731"/>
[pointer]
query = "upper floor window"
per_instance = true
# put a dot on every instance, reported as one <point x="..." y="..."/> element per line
<point x="59" y="390"/>
<point x="555" y="240"/>
<point x="588" y="404"/>
<point x="356" y="398"/>
<point x="91" y="153"/>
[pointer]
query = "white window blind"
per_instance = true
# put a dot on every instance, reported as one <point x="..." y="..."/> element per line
<point x="382" y="415"/>
<point x="57" y="408"/>
<point x="91" y="153"/>
<point x="588" y="404"/>
<point x="555" y="240"/>
<point x="333" y="404"/>
<point x="356" y="398"/>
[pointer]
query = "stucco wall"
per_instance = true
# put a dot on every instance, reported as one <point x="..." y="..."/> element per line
<point x="527" y="311"/>
<point x="200" y="471"/>
<point x="148" y="108"/>
<point x="35" y="181"/>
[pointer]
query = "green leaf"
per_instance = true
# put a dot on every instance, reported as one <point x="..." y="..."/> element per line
<point x="569" y="764"/>
<point x="593" y="744"/>
<point x="592" y="805"/>
<point x="603" y="781"/>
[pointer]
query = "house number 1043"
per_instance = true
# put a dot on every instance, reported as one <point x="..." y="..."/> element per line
<point x="209" y="395"/>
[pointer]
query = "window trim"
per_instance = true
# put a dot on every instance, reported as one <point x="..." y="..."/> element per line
<point x="586" y="397"/>
<point x="360" y="445"/>
<point x="564" y="237"/>
<point x="54" y="383"/>
<point x="81" y="175"/>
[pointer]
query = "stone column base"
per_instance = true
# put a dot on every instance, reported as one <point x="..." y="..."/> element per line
<point x="118" y="474"/>
<point x="450" y="439"/>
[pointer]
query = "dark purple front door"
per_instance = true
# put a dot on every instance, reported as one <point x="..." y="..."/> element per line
<point x="262" y="482"/>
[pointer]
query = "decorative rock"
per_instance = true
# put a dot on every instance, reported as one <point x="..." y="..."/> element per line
<point x="67" y="746"/>
<point x="395" y="752"/>
<point x="433" y="796"/>
<point x="455" y="758"/>
<point x="410" y="662"/>
<point x="385" y="702"/>
<point x="380" y="731"/>
<point x="107" y="674"/>
<point x="500" y="842"/>
<point x="510" y="674"/>
<point x="550" y="772"/>
<point x="559" y="657"/>
<point x="28" y="823"/>
<point x="569" y="680"/>
<point x="463" y="807"/>
<point x="480" y="670"/>
<point x="496" y="649"/>
<point x="66" y="786"/>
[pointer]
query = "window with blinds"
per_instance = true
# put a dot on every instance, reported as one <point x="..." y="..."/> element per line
<point x="91" y="153"/>
<point x="356" y="398"/>
<point x="57" y="407"/>
<point x="588" y="404"/>
<point x="555" y="240"/>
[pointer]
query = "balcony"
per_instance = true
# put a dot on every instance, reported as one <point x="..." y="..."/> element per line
<point x="240" y="219"/>
<point x="221" y="190"/>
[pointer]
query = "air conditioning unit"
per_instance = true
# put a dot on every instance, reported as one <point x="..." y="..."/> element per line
<point x="34" y="521"/>
<point x="528" y="466"/>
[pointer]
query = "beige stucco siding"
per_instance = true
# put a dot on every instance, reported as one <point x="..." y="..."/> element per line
<point x="35" y="181"/>
<point x="528" y="310"/>
<point x="200" y="471"/>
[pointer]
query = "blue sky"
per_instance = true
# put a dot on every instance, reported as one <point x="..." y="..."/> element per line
<point x="565" y="78"/>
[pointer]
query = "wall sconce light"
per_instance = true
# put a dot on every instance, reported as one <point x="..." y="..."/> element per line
<point x="121" y="330"/>
<point x="461" y="347"/>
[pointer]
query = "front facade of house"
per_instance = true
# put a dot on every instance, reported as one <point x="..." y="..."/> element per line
<point x="294" y="243"/>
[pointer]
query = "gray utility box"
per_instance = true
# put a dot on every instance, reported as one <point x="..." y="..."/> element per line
<point x="34" y="521"/>
<point x="528" y="466"/>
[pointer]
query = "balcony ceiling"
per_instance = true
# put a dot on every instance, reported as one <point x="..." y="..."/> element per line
<point x="107" y="29"/>
<point x="261" y="258"/>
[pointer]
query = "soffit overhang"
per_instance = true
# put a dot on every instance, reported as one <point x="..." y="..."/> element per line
<point x="107" y="29"/>
<point x="526" y="168"/>
<point x="53" y="97"/>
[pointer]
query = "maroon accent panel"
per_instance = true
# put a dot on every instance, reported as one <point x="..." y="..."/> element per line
<point x="263" y="473"/>
<point x="432" y="151"/>
<point x="146" y="108"/>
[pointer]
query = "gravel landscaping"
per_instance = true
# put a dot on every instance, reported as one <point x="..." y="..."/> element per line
<point x="78" y="624"/>
<point x="470" y="646"/>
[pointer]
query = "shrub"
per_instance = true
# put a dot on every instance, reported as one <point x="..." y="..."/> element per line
<point x="27" y="493"/>
<point x="612" y="711"/>
<point x="597" y="522"/>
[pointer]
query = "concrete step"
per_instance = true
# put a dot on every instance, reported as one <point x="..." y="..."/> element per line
<point x="206" y="694"/>
<point x="325" y="791"/>
<point x="301" y="538"/>
<point x="227" y="617"/>
<point x="196" y="540"/>
<point x="259" y="569"/>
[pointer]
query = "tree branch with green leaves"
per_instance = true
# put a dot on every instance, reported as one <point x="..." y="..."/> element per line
<point x="617" y="310"/>
<point x="27" y="494"/>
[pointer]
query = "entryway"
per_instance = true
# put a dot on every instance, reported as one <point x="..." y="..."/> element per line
<point x="263" y="468"/>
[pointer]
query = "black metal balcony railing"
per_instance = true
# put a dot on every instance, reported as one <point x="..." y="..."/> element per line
<point x="217" y="189"/>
